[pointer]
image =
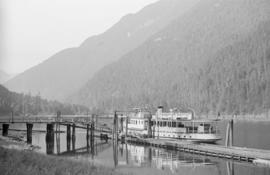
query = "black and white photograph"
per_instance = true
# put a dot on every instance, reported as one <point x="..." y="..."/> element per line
<point x="135" y="87"/>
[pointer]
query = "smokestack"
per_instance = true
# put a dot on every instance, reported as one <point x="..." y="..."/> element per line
<point x="160" y="110"/>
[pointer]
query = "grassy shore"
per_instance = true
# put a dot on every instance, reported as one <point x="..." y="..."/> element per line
<point x="14" y="162"/>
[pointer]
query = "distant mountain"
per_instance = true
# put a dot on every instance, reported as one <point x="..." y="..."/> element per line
<point x="214" y="59"/>
<point x="25" y="104"/>
<point x="68" y="70"/>
<point x="4" y="77"/>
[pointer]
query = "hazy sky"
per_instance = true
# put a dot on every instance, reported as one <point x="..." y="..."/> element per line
<point x="33" y="30"/>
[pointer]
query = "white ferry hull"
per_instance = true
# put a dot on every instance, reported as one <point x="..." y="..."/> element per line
<point x="200" y="138"/>
<point x="193" y="137"/>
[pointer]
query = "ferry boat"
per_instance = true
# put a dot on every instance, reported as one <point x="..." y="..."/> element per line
<point x="172" y="125"/>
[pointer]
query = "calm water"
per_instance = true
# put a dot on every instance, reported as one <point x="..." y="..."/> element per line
<point x="141" y="160"/>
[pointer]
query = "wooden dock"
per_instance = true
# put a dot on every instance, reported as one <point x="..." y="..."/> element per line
<point x="53" y="122"/>
<point x="235" y="153"/>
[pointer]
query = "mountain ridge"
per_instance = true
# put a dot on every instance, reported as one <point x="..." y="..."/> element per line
<point x="144" y="77"/>
<point x="66" y="71"/>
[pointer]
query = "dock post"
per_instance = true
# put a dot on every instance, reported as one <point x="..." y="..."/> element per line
<point x="50" y="138"/>
<point x="68" y="132"/>
<point x="73" y="130"/>
<point x="73" y="136"/>
<point x="92" y="128"/>
<point x="92" y="134"/>
<point x="149" y="129"/>
<point x="58" y="143"/>
<point x="87" y="133"/>
<point x="68" y="137"/>
<point x="5" y="129"/>
<point x="126" y="133"/>
<point x="121" y="124"/>
<point x="29" y="127"/>
<point x="227" y="135"/>
<point x="87" y="137"/>
<point x="231" y="132"/>
<point x="116" y="127"/>
<point x="96" y="123"/>
<point x="57" y="126"/>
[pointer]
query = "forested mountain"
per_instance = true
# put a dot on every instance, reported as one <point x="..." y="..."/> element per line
<point x="214" y="59"/>
<point x="25" y="104"/>
<point x="68" y="70"/>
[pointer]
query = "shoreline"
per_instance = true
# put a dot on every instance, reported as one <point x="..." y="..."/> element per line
<point x="251" y="118"/>
<point x="16" y="141"/>
<point x="16" y="155"/>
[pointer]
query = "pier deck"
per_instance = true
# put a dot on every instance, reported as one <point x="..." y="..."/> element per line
<point x="236" y="153"/>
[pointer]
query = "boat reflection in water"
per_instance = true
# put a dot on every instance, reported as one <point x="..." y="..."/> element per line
<point x="162" y="159"/>
<point x="138" y="159"/>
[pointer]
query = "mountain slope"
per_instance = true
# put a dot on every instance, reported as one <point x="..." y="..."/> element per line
<point x="4" y="77"/>
<point x="66" y="71"/>
<point x="173" y="67"/>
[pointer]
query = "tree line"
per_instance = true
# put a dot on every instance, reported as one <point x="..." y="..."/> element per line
<point x="27" y="104"/>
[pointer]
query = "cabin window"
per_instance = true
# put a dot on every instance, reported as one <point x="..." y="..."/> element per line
<point x="164" y="123"/>
<point x="180" y="125"/>
<point x="169" y="124"/>
<point x="174" y="124"/>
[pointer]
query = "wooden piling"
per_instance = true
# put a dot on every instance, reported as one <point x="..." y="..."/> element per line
<point x="231" y="132"/>
<point x="92" y="130"/>
<point x="57" y="125"/>
<point x="73" y="130"/>
<point x="126" y="133"/>
<point x="122" y="124"/>
<point x="68" y="132"/>
<point x="29" y="127"/>
<point x="68" y="136"/>
<point x="115" y="127"/>
<point x="73" y="136"/>
<point x="149" y="129"/>
<point x="227" y="135"/>
<point x="50" y="138"/>
<point x="87" y="133"/>
<point x="50" y="129"/>
<point x="58" y="142"/>
<point x="73" y="142"/>
<point x="5" y="129"/>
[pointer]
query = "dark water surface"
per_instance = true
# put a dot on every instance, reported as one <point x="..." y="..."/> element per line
<point x="142" y="160"/>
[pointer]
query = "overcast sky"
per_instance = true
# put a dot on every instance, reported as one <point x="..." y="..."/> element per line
<point x="33" y="30"/>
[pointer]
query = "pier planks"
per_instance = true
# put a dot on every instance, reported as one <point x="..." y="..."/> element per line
<point x="237" y="153"/>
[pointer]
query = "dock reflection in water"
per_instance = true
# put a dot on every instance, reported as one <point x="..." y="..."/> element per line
<point x="137" y="159"/>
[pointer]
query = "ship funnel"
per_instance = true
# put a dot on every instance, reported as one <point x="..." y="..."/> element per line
<point x="160" y="109"/>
